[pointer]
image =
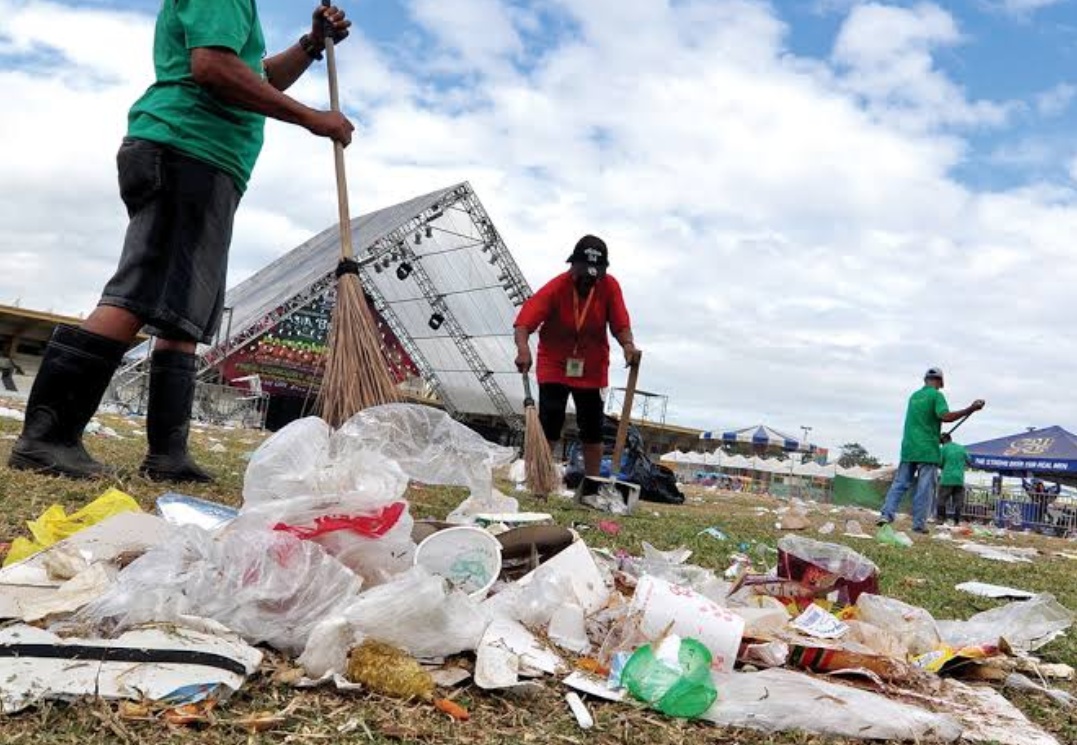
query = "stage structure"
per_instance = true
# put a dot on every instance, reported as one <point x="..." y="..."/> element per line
<point x="442" y="285"/>
<point x="647" y="407"/>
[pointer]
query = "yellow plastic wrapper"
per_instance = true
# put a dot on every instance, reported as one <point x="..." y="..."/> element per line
<point x="386" y="670"/>
<point x="55" y="525"/>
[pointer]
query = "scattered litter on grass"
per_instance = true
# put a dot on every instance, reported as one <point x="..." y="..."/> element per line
<point x="994" y="591"/>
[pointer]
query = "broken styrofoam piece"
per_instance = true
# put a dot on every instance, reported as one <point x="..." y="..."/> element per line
<point x="664" y="608"/>
<point x="593" y="686"/>
<point x="780" y="700"/>
<point x="449" y="677"/>
<point x="994" y="591"/>
<point x="37" y="603"/>
<point x="1000" y="553"/>
<point x="128" y="533"/>
<point x="152" y="662"/>
<point x="506" y="651"/>
<point x="988" y="717"/>
<point x="579" y="710"/>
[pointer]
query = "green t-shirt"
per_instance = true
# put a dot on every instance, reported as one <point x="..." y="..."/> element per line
<point x="176" y="111"/>
<point x="954" y="460"/>
<point x="923" y="425"/>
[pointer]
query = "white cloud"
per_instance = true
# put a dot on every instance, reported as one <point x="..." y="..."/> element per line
<point x="885" y="54"/>
<point x="1056" y="100"/>
<point x="792" y="242"/>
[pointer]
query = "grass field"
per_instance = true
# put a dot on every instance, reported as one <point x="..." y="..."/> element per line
<point x="924" y="575"/>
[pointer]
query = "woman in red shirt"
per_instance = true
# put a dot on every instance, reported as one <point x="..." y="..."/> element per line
<point x="571" y="314"/>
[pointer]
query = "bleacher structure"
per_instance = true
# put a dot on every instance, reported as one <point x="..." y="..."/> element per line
<point x="443" y="288"/>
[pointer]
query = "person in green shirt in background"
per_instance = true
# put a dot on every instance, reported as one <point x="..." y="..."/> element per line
<point x="952" y="481"/>
<point x="920" y="452"/>
<point x="191" y="145"/>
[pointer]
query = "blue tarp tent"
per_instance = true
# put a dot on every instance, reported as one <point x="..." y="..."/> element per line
<point x="760" y="436"/>
<point x="1044" y="452"/>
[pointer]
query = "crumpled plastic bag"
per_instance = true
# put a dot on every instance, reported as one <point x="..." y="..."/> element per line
<point x="780" y="700"/>
<point x="313" y="483"/>
<point x="825" y="567"/>
<point x="54" y="524"/>
<point x="1026" y="625"/>
<point x="432" y="448"/>
<point x="267" y="586"/>
<point x="673" y="676"/>
<point x="914" y="627"/>
<point x="416" y="612"/>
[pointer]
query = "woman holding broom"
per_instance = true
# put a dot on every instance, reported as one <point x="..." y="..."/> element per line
<point x="572" y="313"/>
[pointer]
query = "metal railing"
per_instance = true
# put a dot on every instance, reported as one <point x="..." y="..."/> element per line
<point x="213" y="404"/>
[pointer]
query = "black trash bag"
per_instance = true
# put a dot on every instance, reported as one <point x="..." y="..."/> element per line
<point x="657" y="483"/>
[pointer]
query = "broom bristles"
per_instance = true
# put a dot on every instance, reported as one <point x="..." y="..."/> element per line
<point x="356" y="372"/>
<point x="541" y="475"/>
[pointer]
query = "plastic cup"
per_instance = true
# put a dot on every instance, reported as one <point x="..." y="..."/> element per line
<point x="469" y="558"/>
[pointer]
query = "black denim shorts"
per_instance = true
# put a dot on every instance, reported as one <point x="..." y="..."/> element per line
<point x="590" y="411"/>
<point x="174" y="265"/>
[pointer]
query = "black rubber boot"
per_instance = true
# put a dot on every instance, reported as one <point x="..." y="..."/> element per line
<point x="168" y="419"/>
<point x="74" y="374"/>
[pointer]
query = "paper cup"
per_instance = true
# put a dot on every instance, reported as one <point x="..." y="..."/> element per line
<point x="469" y="558"/>
<point x="664" y="606"/>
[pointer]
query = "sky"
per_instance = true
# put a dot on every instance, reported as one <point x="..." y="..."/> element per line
<point x="807" y="202"/>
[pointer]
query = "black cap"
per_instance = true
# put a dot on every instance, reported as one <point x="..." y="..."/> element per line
<point x="590" y="250"/>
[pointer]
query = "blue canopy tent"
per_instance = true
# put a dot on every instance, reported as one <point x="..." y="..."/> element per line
<point x="1048" y="453"/>
<point x="761" y="437"/>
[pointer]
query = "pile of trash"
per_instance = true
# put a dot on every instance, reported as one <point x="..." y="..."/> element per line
<point x="325" y="563"/>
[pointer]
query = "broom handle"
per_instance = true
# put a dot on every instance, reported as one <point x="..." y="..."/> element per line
<point x="960" y="421"/>
<point x="528" y="398"/>
<point x="626" y="413"/>
<point x="346" y="250"/>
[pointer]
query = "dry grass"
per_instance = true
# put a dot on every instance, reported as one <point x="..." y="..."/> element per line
<point x="925" y="575"/>
<point x="356" y="373"/>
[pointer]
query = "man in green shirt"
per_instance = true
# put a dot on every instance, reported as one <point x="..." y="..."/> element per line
<point x="920" y="454"/>
<point x="192" y="142"/>
<point x="952" y="481"/>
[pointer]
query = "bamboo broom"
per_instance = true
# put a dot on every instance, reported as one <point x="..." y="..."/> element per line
<point x="541" y="475"/>
<point x="356" y="372"/>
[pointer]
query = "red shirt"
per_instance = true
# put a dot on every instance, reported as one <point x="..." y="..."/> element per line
<point x="552" y="308"/>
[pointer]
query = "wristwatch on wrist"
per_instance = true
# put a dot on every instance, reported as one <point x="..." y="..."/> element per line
<point x="310" y="47"/>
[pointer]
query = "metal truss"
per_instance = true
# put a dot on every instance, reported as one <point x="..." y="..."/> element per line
<point x="390" y="247"/>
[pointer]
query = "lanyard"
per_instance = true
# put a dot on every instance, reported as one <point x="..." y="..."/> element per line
<point x="580" y="317"/>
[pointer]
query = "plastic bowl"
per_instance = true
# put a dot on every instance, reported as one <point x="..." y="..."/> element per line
<point x="469" y="558"/>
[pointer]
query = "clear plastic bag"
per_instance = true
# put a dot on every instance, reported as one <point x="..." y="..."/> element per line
<point x="415" y="612"/>
<point x="673" y="676"/>
<point x="429" y="446"/>
<point x="266" y="586"/>
<point x="779" y="700"/>
<point x="1025" y="625"/>
<point x="915" y="628"/>
<point x="826" y="567"/>
<point x="311" y="482"/>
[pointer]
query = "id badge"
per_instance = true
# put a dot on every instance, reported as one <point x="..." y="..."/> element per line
<point x="574" y="368"/>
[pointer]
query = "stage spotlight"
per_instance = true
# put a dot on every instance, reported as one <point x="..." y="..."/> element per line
<point x="435" y="321"/>
<point x="429" y="232"/>
<point x="403" y="271"/>
<point x="377" y="268"/>
<point x="418" y="238"/>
